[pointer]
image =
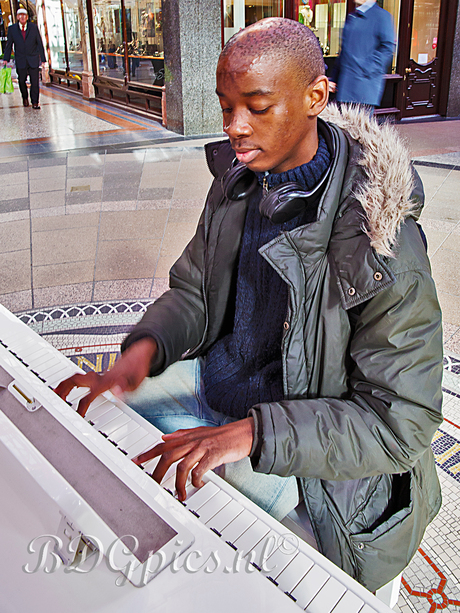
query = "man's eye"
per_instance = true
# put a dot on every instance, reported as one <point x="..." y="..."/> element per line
<point x="259" y="111"/>
<point x="226" y="110"/>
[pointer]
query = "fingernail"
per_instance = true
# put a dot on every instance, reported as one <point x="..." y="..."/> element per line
<point x="117" y="391"/>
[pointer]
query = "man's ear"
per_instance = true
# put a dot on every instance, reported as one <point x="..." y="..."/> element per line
<point x="318" y="93"/>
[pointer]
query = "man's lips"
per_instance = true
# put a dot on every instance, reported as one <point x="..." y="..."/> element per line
<point x="247" y="156"/>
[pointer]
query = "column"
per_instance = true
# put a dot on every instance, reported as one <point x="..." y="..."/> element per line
<point x="192" y="43"/>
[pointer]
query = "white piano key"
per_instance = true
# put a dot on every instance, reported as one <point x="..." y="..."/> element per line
<point x="77" y="394"/>
<point x="132" y="438"/>
<point x="278" y="561"/>
<point x="253" y="535"/>
<point x="264" y="549"/>
<point x="349" y="603"/>
<point x="309" y="586"/>
<point x="294" y="572"/>
<point x="116" y="423"/>
<point x="238" y="526"/>
<point x="144" y="444"/>
<point x="107" y="417"/>
<point x="213" y="506"/>
<point x="328" y="596"/>
<point x="122" y="431"/>
<point x="53" y="369"/>
<point x="225" y="516"/>
<point x="63" y="373"/>
<point x="97" y="410"/>
<point x="151" y="465"/>
<point x="202" y="495"/>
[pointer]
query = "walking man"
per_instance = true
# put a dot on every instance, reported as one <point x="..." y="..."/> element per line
<point x="28" y="53"/>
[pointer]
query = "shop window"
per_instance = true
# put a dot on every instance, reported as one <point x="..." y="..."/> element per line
<point x="241" y="13"/>
<point x="72" y="28"/>
<point x="56" y="35"/>
<point x="392" y="6"/>
<point x="108" y="34"/>
<point x="143" y="25"/>
<point x="326" y="19"/>
<point x="425" y="27"/>
<point x="144" y="29"/>
<point x="6" y="19"/>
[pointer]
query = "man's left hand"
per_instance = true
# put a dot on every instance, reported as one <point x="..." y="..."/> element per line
<point x="198" y="450"/>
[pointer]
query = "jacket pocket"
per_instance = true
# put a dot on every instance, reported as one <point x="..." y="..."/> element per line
<point x="384" y="549"/>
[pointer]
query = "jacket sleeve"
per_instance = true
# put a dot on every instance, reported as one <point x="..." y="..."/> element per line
<point x="394" y="404"/>
<point x="41" y="50"/>
<point x="9" y="45"/>
<point x="177" y="319"/>
<point x="380" y="59"/>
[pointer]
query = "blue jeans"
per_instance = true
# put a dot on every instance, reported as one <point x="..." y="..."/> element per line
<point x="175" y="399"/>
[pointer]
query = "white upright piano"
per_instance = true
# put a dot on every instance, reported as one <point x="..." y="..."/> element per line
<point x="83" y="529"/>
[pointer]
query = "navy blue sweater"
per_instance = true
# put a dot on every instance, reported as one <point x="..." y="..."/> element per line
<point x="244" y="367"/>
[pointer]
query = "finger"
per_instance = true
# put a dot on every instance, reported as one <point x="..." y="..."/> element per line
<point x="168" y="458"/>
<point x="183" y="432"/>
<point x="66" y="386"/>
<point x="183" y="470"/>
<point x="154" y="452"/>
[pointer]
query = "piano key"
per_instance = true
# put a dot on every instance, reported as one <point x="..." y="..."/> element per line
<point x="204" y="494"/>
<point x="53" y="370"/>
<point x="213" y="506"/>
<point x="367" y="609"/>
<point x="277" y="562"/>
<point x="328" y="596"/>
<point x="309" y="586"/>
<point x="225" y="516"/>
<point x="77" y="394"/>
<point x="58" y="376"/>
<point x="264" y="549"/>
<point x="122" y="431"/>
<point x="126" y="442"/>
<point x="238" y="526"/>
<point x="349" y="603"/>
<point x="144" y="444"/>
<point x="116" y="423"/>
<point x="108" y="416"/>
<point x="294" y="572"/>
<point x="94" y="412"/>
<point x="253" y="535"/>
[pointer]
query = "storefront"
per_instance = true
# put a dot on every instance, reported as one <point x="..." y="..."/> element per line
<point x="118" y="48"/>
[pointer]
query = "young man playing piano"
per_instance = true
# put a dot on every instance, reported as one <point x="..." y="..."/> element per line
<point x="301" y="330"/>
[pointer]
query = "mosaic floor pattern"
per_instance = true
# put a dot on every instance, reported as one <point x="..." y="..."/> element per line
<point x="90" y="336"/>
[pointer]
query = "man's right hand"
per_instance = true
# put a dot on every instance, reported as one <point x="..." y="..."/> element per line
<point x="127" y="374"/>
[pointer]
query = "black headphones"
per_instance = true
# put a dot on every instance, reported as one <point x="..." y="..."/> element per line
<point x="281" y="203"/>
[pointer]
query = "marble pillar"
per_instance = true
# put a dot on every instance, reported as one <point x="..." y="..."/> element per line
<point x="192" y="43"/>
<point x="453" y="104"/>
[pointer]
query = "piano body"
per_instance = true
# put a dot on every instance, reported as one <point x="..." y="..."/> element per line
<point x="75" y="510"/>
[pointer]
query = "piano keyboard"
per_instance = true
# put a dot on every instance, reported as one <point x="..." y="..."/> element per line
<point x="275" y="555"/>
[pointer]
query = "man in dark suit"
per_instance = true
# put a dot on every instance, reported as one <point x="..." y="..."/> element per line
<point x="28" y="53"/>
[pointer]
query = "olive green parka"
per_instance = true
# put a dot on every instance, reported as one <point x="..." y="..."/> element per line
<point x="362" y="347"/>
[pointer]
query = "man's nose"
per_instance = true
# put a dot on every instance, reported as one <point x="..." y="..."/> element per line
<point x="238" y="126"/>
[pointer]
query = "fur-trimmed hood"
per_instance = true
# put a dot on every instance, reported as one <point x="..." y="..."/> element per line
<point x="387" y="195"/>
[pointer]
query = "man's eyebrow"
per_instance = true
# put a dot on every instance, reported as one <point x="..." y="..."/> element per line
<point x="255" y="92"/>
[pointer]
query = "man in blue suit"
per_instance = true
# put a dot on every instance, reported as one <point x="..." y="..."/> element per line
<point x="368" y="44"/>
<point x="28" y="53"/>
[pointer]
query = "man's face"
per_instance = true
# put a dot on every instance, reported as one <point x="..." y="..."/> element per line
<point x="265" y="117"/>
<point x="359" y="2"/>
<point x="22" y="18"/>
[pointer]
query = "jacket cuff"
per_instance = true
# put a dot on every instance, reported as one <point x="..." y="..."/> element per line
<point x="256" y="448"/>
<point x="157" y="364"/>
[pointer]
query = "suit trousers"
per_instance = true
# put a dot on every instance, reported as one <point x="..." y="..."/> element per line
<point x="34" y="87"/>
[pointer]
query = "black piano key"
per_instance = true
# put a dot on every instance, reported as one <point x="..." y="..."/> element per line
<point x="256" y="566"/>
<point x="91" y="423"/>
<point x="113" y="442"/>
<point x="123" y="451"/>
<point x="273" y="580"/>
<point x="194" y="513"/>
<point x="232" y="545"/>
<point x="103" y="434"/>
<point x="216" y="531"/>
<point x="291" y="596"/>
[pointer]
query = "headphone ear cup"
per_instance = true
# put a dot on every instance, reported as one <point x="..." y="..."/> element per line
<point x="238" y="182"/>
<point x="284" y="202"/>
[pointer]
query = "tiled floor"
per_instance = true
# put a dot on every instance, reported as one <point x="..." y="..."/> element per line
<point x="96" y="204"/>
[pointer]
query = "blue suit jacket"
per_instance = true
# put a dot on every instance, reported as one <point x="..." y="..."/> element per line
<point x="368" y="44"/>
<point x="28" y="52"/>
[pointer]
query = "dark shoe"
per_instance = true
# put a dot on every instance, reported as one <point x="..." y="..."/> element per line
<point x="36" y="106"/>
<point x="25" y="102"/>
